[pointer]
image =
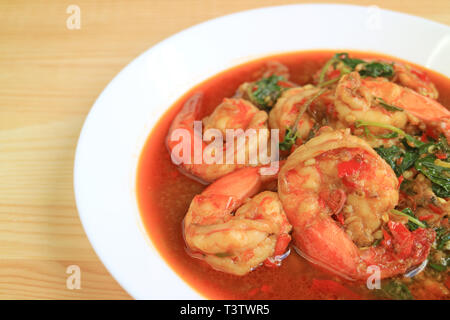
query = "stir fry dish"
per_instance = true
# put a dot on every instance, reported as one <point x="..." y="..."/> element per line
<point x="309" y="175"/>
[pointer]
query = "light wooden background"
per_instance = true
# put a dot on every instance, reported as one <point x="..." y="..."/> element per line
<point x="49" y="78"/>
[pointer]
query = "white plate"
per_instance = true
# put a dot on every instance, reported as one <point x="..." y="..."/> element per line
<point x="118" y="124"/>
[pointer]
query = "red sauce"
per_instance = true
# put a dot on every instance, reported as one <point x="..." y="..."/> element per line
<point x="164" y="195"/>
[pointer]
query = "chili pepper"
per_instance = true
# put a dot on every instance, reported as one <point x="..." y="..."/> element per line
<point x="347" y="168"/>
<point x="285" y="84"/>
<point x="412" y="203"/>
<point x="423" y="137"/>
<point x="440" y="156"/>
<point x="427" y="217"/>
<point x="403" y="239"/>
<point x="340" y="218"/>
<point x="334" y="74"/>
<point x="435" y="209"/>
<point x="422" y="76"/>
<point x="282" y="243"/>
<point x="431" y="133"/>
<point x="387" y="239"/>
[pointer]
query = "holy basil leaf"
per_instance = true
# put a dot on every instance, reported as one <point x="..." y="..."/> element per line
<point x="396" y="290"/>
<point x="439" y="176"/>
<point x="440" y="191"/>
<point x="409" y="158"/>
<point x="265" y="92"/>
<point x="422" y="156"/>
<point x="437" y="267"/>
<point x="443" y="144"/>
<point x="352" y="63"/>
<point x="368" y="69"/>
<point x="442" y="237"/>
<point x="407" y="212"/>
<point x="392" y="156"/>
<point x="377" y="69"/>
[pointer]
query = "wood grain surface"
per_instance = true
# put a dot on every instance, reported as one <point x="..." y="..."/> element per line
<point x="49" y="78"/>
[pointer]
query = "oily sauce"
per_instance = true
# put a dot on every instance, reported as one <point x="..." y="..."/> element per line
<point x="164" y="195"/>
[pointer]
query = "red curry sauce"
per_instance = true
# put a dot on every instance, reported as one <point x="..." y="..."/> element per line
<point x="164" y="195"/>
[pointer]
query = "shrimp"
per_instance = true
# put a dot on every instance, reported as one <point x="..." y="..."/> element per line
<point x="337" y="193"/>
<point x="366" y="99"/>
<point x="233" y="233"/>
<point x="266" y="90"/>
<point x="230" y="114"/>
<point x="403" y="74"/>
<point x="415" y="80"/>
<point x="275" y="68"/>
<point x="290" y="110"/>
<point x="288" y="107"/>
<point x="235" y="114"/>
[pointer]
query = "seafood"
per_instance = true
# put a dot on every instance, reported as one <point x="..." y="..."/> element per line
<point x="415" y="80"/>
<point x="233" y="233"/>
<point x="290" y="106"/>
<point x="363" y="190"/>
<point x="402" y="74"/>
<point x="366" y="99"/>
<point x="337" y="193"/>
<point x="230" y="114"/>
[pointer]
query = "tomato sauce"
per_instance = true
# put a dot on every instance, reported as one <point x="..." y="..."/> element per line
<point x="164" y="195"/>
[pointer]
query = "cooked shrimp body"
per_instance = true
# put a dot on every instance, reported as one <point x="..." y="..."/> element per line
<point x="404" y="75"/>
<point x="232" y="232"/>
<point x="287" y="108"/>
<point x="414" y="79"/>
<point x="360" y="98"/>
<point x="235" y="114"/>
<point x="230" y="114"/>
<point x="292" y="104"/>
<point x="337" y="193"/>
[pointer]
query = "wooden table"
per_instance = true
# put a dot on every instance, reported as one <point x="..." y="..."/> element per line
<point x="50" y="77"/>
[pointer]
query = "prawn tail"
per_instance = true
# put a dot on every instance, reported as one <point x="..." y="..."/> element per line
<point x="326" y="245"/>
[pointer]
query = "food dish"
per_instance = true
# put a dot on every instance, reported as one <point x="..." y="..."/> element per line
<point x="362" y="183"/>
<point x="116" y="200"/>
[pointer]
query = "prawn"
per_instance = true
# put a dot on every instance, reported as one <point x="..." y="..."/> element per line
<point x="403" y="74"/>
<point x="375" y="99"/>
<point x="302" y="108"/>
<point x="337" y="193"/>
<point x="415" y="79"/>
<point x="230" y="114"/>
<point x="233" y="233"/>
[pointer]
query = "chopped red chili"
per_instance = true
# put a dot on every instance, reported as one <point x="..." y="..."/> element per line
<point x="435" y="209"/>
<point x="348" y="168"/>
<point x="427" y="217"/>
<point x="421" y="75"/>
<point x="441" y="155"/>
